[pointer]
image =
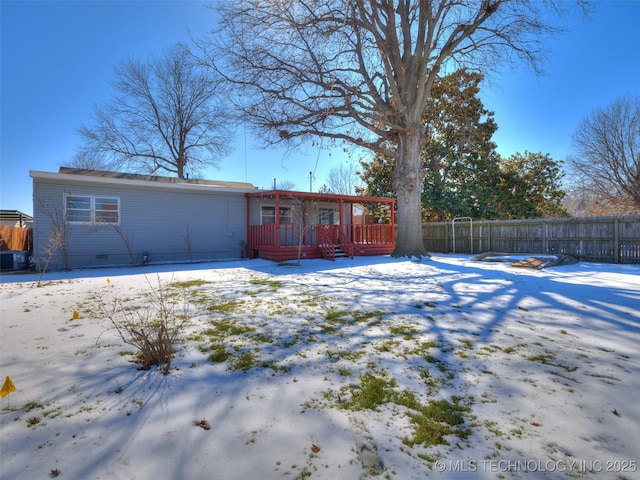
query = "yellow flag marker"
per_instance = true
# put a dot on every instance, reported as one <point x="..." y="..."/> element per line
<point x="7" y="387"/>
<point x="108" y="281"/>
<point x="76" y="315"/>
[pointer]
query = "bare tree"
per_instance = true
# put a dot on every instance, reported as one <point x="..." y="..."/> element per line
<point x="285" y="185"/>
<point x="168" y="115"/>
<point x="606" y="165"/>
<point x="305" y="216"/>
<point x="344" y="179"/>
<point x="57" y="242"/>
<point x="361" y="71"/>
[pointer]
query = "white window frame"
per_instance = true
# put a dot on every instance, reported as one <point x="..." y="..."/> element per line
<point x="94" y="216"/>
<point x="286" y="214"/>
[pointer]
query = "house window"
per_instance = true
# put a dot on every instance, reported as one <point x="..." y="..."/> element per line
<point x="85" y="209"/>
<point x="268" y="215"/>
<point x="327" y="216"/>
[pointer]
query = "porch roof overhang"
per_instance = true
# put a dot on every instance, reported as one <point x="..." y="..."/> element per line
<point x="330" y="197"/>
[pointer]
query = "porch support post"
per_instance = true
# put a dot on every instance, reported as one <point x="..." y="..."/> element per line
<point x="392" y="206"/>
<point x="249" y="239"/>
<point x="302" y="236"/>
<point x="341" y="216"/>
<point x="277" y="220"/>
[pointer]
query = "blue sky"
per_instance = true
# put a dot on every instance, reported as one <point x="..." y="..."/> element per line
<point x="58" y="57"/>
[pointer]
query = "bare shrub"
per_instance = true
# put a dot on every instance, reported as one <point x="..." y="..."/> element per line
<point x="57" y="241"/>
<point x="154" y="330"/>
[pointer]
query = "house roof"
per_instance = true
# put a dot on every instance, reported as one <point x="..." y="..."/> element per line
<point x="14" y="215"/>
<point x="82" y="175"/>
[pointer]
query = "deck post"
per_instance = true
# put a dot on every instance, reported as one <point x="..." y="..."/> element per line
<point x="250" y="240"/>
<point x="277" y="220"/>
<point x="341" y="216"/>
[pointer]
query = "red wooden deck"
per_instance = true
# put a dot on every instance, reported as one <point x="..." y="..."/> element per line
<point x="282" y="241"/>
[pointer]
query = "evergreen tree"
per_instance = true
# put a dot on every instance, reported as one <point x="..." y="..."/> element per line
<point x="464" y="175"/>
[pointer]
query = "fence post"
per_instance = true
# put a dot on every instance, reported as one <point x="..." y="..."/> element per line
<point x="616" y="241"/>
<point x="446" y="237"/>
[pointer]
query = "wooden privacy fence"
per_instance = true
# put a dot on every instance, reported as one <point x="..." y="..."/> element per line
<point x="15" y="238"/>
<point x="592" y="239"/>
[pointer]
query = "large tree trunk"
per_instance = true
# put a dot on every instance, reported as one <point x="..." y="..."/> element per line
<point x="408" y="183"/>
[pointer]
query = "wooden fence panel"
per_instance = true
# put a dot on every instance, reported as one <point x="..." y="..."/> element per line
<point x="594" y="239"/>
<point x="15" y="238"/>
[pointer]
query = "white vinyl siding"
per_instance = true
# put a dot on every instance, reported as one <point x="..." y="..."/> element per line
<point x="151" y="218"/>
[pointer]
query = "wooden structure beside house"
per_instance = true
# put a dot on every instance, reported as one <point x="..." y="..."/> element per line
<point x="15" y="218"/>
<point x="285" y="225"/>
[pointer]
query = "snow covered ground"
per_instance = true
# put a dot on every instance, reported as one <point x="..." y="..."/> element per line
<point x="329" y="370"/>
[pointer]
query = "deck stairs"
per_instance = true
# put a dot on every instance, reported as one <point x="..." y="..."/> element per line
<point x="334" y="245"/>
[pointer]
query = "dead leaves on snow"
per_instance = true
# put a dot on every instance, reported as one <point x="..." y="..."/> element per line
<point x="202" y="424"/>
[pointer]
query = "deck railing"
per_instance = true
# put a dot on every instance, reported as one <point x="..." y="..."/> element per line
<point x="372" y="234"/>
<point x="292" y="235"/>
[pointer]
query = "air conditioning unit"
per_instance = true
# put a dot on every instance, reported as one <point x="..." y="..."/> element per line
<point x="14" y="260"/>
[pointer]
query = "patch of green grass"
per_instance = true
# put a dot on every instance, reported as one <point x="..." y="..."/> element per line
<point x="267" y="282"/>
<point x="328" y="329"/>
<point x="544" y="358"/>
<point x="33" y="421"/>
<point x="361" y="316"/>
<point x="486" y="398"/>
<point x="352" y="355"/>
<point x="388" y="346"/>
<point x="421" y="349"/>
<point x="431" y="422"/>
<point x="261" y="337"/>
<point x="290" y="342"/>
<point x="225" y="306"/>
<point x="189" y="283"/>
<point x="512" y="349"/>
<point x="218" y="353"/>
<point x="437" y="362"/>
<point x="27" y="407"/>
<point x="55" y="412"/>
<point x="337" y="316"/>
<point x="342" y="317"/>
<point x="375" y="390"/>
<point x="245" y="361"/>
<point x="435" y="421"/>
<point x="227" y="327"/>
<point x="432" y="383"/>
<point x="407" y="331"/>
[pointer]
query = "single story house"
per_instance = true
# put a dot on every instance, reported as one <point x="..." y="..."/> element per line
<point x="90" y="218"/>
